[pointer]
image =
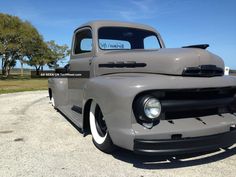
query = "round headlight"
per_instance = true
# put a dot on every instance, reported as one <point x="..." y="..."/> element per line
<point x="152" y="108"/>
<point x="147" y="109"/>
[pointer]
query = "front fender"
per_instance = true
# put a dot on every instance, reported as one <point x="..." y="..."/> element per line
<point x="115" y="101"/>
<point x="115" y="94"/>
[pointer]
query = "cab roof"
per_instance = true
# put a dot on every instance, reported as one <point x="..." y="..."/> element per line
<point x="108" y="23"/>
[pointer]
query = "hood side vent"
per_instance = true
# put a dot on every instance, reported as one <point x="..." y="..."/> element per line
<point x="203" y="71"/>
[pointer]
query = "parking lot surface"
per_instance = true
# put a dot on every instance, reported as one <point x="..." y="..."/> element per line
<point x="36" y="140"/>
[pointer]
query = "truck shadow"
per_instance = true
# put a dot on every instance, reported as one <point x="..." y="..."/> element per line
<point x="169" y="162"/>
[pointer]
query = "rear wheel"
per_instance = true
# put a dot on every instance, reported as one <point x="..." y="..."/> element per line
<point x="99" y="131"/>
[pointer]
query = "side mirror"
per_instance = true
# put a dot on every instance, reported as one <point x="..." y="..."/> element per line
<point x="63" y="70"/>
<point x="67" y="67"/>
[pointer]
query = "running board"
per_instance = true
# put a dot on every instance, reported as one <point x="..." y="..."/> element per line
<point x="72" y="115"/>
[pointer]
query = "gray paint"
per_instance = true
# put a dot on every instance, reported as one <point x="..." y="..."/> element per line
<point x="115" y="88"/>
<point x="162" y="61"/>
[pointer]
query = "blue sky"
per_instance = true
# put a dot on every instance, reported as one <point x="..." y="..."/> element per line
<point x="180" y="22"/>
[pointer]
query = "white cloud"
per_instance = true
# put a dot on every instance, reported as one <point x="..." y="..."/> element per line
<point x="140" y="9"/>
<point x="146" y="9"/>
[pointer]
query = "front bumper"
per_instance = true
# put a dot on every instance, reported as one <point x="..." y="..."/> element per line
<point x="185" y="145"/>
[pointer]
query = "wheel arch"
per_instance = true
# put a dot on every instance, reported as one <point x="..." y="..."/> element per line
<point x="86" y="109"/>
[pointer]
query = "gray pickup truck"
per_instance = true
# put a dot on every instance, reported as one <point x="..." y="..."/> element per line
<point x="125" y="88"/>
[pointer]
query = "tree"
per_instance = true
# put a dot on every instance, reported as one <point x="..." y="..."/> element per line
<point x="39" y="55"/>
<point x="9" y="41"/>
<point x="18" y="39"/>
<point x="29" y="42"/>
<point x="58" y="53"/>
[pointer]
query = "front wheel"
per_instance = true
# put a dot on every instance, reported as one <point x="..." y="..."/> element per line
<point x="99" y="131"/>
<point x="53" y="102"/>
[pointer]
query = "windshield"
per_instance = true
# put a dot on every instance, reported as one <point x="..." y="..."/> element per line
<point x="123" y="38"/>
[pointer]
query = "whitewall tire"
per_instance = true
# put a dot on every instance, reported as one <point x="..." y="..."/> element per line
<point x="100" y="134"/>
<point x="53" y="102"/>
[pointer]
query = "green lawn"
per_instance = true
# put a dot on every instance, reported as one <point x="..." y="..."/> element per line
<point x="19" y="84"/>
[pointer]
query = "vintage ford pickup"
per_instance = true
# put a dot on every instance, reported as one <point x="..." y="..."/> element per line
<point x="125" y="88"/>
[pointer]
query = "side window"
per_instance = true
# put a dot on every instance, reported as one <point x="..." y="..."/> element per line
<point x="83" y="42"/>
<point x="151" y="42"/>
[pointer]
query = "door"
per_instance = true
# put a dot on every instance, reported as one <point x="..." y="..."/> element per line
<point x="81" y="56"/>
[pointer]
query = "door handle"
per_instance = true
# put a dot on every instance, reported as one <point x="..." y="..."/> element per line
<point x="90" y="62"/>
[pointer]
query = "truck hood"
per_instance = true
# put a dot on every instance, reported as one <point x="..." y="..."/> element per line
<point x="162" y="61"/>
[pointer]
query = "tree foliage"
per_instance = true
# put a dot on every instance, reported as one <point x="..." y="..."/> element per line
<point x="46" y="53"/>
<point x="39" y="55"/>
<point x="9" y="41"/>
<point x="58" y="53"/>
<point x="19" y="40"/>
